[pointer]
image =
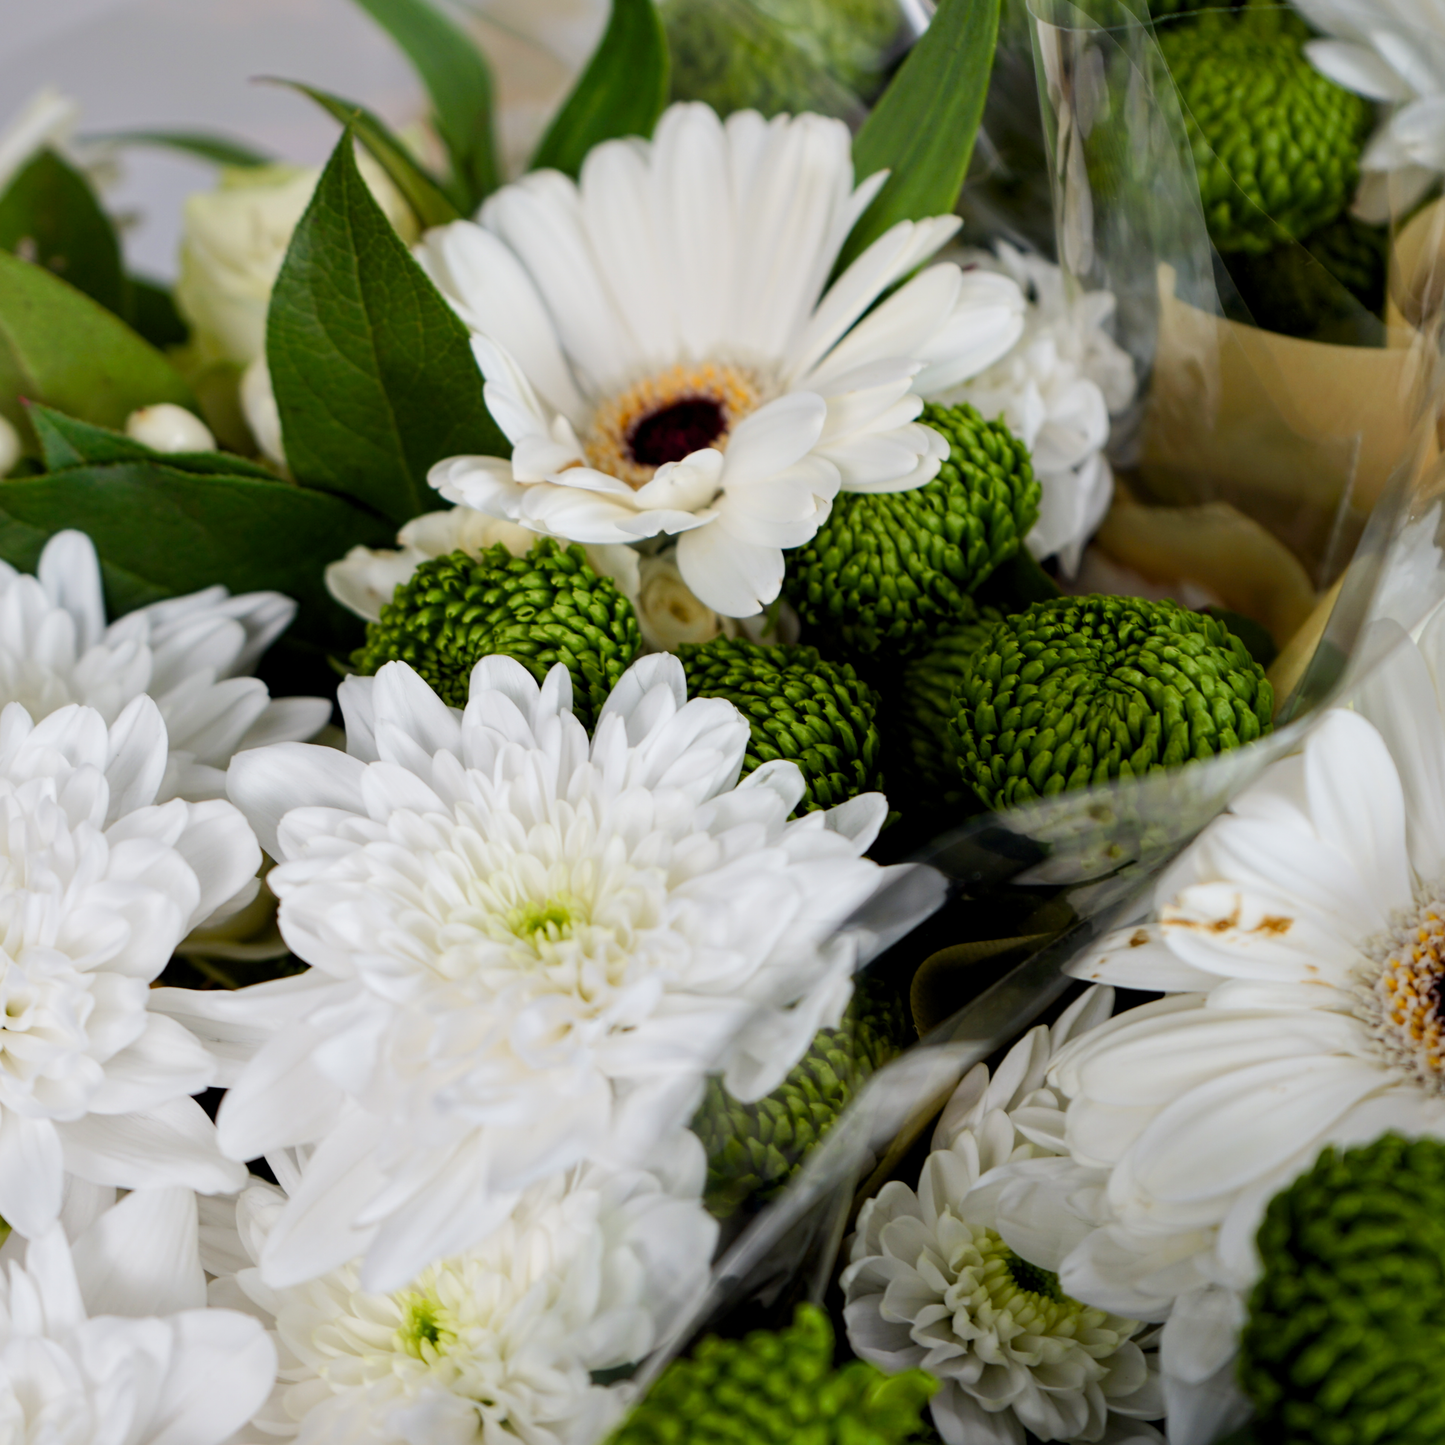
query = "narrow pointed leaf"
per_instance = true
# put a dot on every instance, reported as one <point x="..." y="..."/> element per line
<point x="431" y="205"/>
<point x="373" y="372"/>
<point x="66" y="443"/>
<point x="923" y="128"/>
<point x="50" y="215"/>
<point x="459" y="82"/>
<point x="59" y="347"/>
<point x="220" y="149"/>
<point x="622" y="91"/>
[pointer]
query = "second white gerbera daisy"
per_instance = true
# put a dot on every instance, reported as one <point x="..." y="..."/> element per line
<point x="662" y="348"/>
<point x="528" y="949"/>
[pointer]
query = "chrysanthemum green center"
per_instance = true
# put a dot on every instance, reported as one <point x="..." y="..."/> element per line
<point x="551" y="920"/>
<point x="1401" y="995"/>
<point x="426" y="1329"/>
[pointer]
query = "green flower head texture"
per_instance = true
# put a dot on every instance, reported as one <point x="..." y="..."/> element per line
<point x="542" y="609"/>
<point x="778" y="1387"/>
<point x="1346" y="1329"/>
<point x="1269" y="133"/>
<point x="817" y="714"/>
<point x="1081" y="690"/>
<point x="887" y="569"/>
<point x="754" y="1149"/>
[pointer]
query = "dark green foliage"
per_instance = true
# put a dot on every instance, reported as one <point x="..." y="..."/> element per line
<point x="777" y="1387"/>
<point x="1276" y="145"/>
<point x="1346" y="1326"/>
<point x="890" y="568"/>
<point x="753" y="1150"/>
<point x="542" y="609"/>
<point x="817" y="714"/>
<point x="1082" y="690"/>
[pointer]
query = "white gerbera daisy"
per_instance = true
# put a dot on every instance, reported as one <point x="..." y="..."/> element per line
<point x="942" y="1280"/>
<point x="1391" y="51"/>
<point x="502" y="1342"/>
<point x="109" y="1342"/>
<point x="193" y="654"/>
<point x="527" y="950"/>
<point x="1058" y="389"/>
<point x="661" y="345"/>
<point x="99" y="887"/>
<point x="1301" y="946"/>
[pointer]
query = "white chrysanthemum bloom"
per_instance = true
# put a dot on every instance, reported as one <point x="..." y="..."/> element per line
<point x="99" y="888"/>
<point x="1390" y="51"/>
<point x="1301" y="946"/>
<point x="662" y="348"/>
<point x="108" y="1341"/>
<point x="366" y="578"/>
<point x="587" y="1274"/>
<point x="939" y="1279"/>
<point x="1058" y="389"/>
<point x="193" y="654"/>
<point x="527" y="949"/>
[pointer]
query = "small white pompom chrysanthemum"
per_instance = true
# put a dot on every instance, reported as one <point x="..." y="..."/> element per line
<point x="528" y="949"/>
<point x="502" y="1342"/>
<point x="193" y="654"/>
<point x="951" y="1280"/>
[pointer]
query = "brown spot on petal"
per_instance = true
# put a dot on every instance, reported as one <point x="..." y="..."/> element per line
<point x="1271" y="923"/>
<point x="1139" y="938"/>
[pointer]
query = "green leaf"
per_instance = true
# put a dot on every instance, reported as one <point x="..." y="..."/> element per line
<point x="432" y="205"/>
<point x="923" y="128"/>
<point x="373" y="372"/>
<point x="622" y="91"/>
<point x="162" y="532"/>
<point x="460" y="85"/>
<point x="153" y="314"/>
<point x="66" y="443"/>
<point x="50" y="215"/>
<point x="59" y="347"/>
<point x="220" y="149"/>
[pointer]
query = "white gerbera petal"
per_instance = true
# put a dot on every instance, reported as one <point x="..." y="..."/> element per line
<point x="679" y="288"/>
<point x="527" y="950"/>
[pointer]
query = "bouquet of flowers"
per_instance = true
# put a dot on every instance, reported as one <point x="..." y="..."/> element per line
<point x="604" y="753"/>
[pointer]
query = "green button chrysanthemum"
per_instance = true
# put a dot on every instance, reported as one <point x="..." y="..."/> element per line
<point x="1346" y="1327"/>
<point x="754" y="1149"/>
<point x="542" y="609"/>
<point x="1081" y="690"/>
<point x="930" y="683"/>
<point x="778" y="1387"/>
<point x="1263" y="122"/>
<point x="818" y="714"/>
<point x="891" y="567"/>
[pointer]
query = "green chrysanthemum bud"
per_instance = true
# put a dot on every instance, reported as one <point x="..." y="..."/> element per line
<point x="779" y="55"/>
<point x="754" y="1149"/>
<point x="1347" y="1324"/>
<point x="1263" y="121"/>
<point x="1081" y="690"/>
<point x="890" y="567"/>
<point x="777" y="1387"/>
<point x="542" y="609"/>
<point x="930" y="683"/>
<point x="817" y="714"/>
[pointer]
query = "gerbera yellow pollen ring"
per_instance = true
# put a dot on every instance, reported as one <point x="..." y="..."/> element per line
<point x="661" y="346"/>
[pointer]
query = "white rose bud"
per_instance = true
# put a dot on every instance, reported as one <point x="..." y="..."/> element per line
<point x="234" y="240"/>
<point x="667" y="610"/>
<point x="10" y="447"/>
<point x="169" y="428"/>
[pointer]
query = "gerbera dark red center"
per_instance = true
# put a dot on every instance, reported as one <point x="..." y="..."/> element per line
<point x="677" y="431"/>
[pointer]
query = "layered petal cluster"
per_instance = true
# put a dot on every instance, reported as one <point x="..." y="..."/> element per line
<point x="503" y="1341"/>
<point x="193" y="654"/>
<point x="108" y="1341"/>
<point x="662" y="348"/>
<point x="97" y="887"/>
<point x="1391" y="51"/>
<point x="1059" y="388"/>
<point x="1300" y="944"/>
<point x="528" y="949"/>
<point x="957" y="1279"/>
